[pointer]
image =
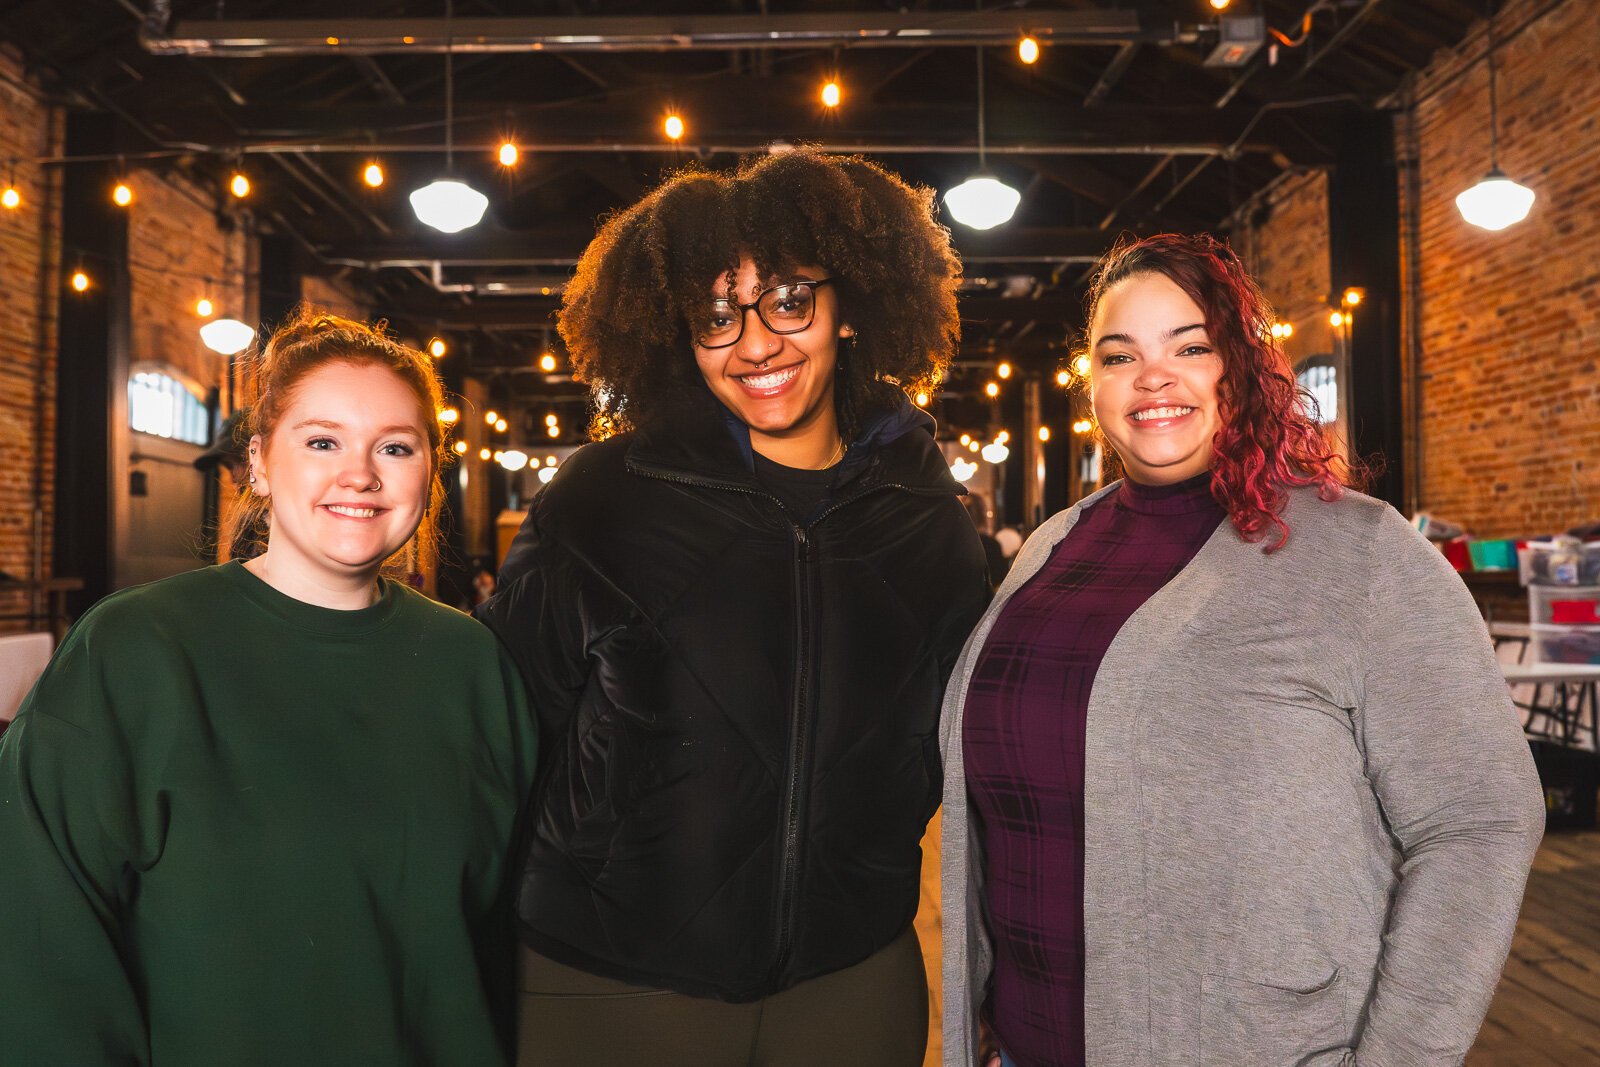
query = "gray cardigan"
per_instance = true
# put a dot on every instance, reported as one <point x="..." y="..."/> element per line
<point x="1309" y="811"/>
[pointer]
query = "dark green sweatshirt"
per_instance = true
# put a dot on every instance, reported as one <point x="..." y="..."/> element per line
<point x="239" y="829"/>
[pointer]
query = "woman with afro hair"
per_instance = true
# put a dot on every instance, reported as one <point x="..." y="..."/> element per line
<point x="1232" y="777"/>
<point x="736" y="613"/>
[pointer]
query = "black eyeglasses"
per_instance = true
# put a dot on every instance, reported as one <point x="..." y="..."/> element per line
<point x="782" y="309"/>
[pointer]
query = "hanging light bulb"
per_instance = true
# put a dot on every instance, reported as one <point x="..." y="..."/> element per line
<point x="122" y="196"/>
<point x="963" y="470"/>
<point x="449" y="416"/>
<point x="1080" y="366"/>
<point x="373" y="175"/>
<point x="1003" y="370"/>
<point x="509" y="154"/>
<point x="239" y="185"/>
<point x="921" y="399"/>
<point x="461" y="448"/>
<point x="437" y="348"/>
<point x="992" y="389"/>
<point x="673" y="127"/>
<point x="831" y="94"/>
<point x="484" y="453"/>
<point x="10" y="199"/>
<point x="204" y="308"/>
<point x="448" y="204"/>
<point x="1028" y="50"/>
<point x="491" y="417"/>
<point x="513" y="460"/>
<point x="995" y="452"/>
<point x="80" y="281"/>
<point x="1063" y="377"/>
<point x="547" y="362"/>
<point x="553" y="430"/>
<point x="982" y="201"/>
<point x="546" y="474"/>
<point x="227" y="337"/>
<point x="551" y="420"/>
<point x="1496" y="201"/>
<point x="1044" y="433"/>
<point x="500" y="425"/>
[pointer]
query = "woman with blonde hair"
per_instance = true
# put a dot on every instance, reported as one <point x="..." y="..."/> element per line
<point x="258" y="813"/>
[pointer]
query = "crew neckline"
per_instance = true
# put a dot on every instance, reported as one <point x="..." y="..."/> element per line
<point x="313" y="617"/>
<point x="795" y="474"/>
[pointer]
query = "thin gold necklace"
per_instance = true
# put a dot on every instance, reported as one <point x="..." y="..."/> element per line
<point x="838" y="454"/>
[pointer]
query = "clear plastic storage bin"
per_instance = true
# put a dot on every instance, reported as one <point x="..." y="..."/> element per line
<point x="1565" y="623"/>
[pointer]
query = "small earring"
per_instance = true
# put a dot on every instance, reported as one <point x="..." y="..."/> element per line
<point x="252" y="478"/>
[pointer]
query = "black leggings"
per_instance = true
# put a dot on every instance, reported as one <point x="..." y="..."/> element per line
<point x="874" y="1014"/>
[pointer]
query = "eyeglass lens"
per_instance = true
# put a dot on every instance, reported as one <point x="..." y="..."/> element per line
<point x="782" y="309"/>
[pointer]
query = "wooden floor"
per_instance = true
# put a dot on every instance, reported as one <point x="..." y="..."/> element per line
<point x="1547" y="1009"/>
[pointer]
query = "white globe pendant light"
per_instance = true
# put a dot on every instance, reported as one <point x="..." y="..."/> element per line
<point x="1496" y="201"/>
<point x="982" y="201"/>
<point x="227" y="337"/>
<point x="449" y="204"/>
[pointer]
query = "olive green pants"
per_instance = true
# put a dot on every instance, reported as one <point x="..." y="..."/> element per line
<point x="874" y="1014"/>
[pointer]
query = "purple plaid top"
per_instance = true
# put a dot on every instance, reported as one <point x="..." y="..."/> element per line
<point x="1023" y="742"/>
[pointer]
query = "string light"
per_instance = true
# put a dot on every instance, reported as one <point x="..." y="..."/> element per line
<point x="437" y="348"/>
<point x="550" y="420"/>
<point x="1281" y="331"/>
<point x="922" y="399"/>
<point x="831" y="94"/>
<point x="204" y="308"/>
<point x="1080" y="366"/>
<point x="966" y="439"/>
<point x="122" y="196"/>
<point x="500" y="425"/>
<point x="1082" y="426"/>
<point x="1063" y="377"/>
<point x="372" y="175"/>
<point x="547" y="362"/>
<point x="1220" y="5"/>
<point x="461" y="448"/>
<point x="1028" y="50"/>
<point x="10" y="199"/>
<point x="239" y="185"/>
<point x="553" y="430"/>
<point x="992" y="389"/>
<point x="1353" y="296"/>
<point x="973" y="446"/>
<point x="546" y="474"/>
<point x="509" y="154"/>
<point x="550" y="461"/>
<point x="673" y="127"/>
<point x="490" y="417"/>
<point x="484" y="453"/>
<point x="1336" y="319"/>
<point x="1003" y="370"/>
<point x="80" y="281"/>
<point x="1044" y="433"/>
<point x="449" y="416"/>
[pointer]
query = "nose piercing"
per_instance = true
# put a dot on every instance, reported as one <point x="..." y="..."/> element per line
<point x="377" y="484"/>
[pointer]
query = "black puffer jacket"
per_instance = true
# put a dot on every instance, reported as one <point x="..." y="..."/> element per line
<point x="739" y="710"/>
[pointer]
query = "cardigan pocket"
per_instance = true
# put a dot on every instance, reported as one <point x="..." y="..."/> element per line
<point x="1252" y="1024"/>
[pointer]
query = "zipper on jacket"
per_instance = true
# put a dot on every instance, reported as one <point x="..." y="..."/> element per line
<point x="799" y="751"/>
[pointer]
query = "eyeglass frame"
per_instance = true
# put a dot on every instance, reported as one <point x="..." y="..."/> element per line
<point x="755" y="305"/>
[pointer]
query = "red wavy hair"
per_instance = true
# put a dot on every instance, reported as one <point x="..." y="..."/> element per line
<point x="1267" y="441"/>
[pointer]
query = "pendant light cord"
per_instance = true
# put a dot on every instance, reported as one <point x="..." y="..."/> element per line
<point x="1494" y="107"/>
<point x="449" y="88"/>
<point x="981" y="164"/>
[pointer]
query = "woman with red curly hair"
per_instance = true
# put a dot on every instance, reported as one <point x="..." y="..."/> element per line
<point x="1231" y="776"/>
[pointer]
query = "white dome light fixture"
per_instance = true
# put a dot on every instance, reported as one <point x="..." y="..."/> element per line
<point x="448" y="204"/>
<point x="1496" y="201"/>
<point x="227" y="337"/>
<point x="983" y="201"/>
<point x="513" y="460"/>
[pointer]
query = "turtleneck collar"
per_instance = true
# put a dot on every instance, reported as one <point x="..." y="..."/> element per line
<point x="1189" y="497"/>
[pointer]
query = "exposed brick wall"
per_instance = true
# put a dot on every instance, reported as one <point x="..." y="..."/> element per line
<point x="1508" y="324"/>
<point x="177" y="253"/>
<point x="29" y="242"/>
<point x="1286" y="248"/>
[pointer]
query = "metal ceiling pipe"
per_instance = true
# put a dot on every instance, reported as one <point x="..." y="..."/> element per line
<point x="663" y="33"/>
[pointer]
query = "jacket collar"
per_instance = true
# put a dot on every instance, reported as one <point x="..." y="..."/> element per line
<point x="703" y="442"/>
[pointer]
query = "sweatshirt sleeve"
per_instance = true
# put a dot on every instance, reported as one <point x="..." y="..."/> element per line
<point x="1454" y="777"/>
<point x="66" y="994"/>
